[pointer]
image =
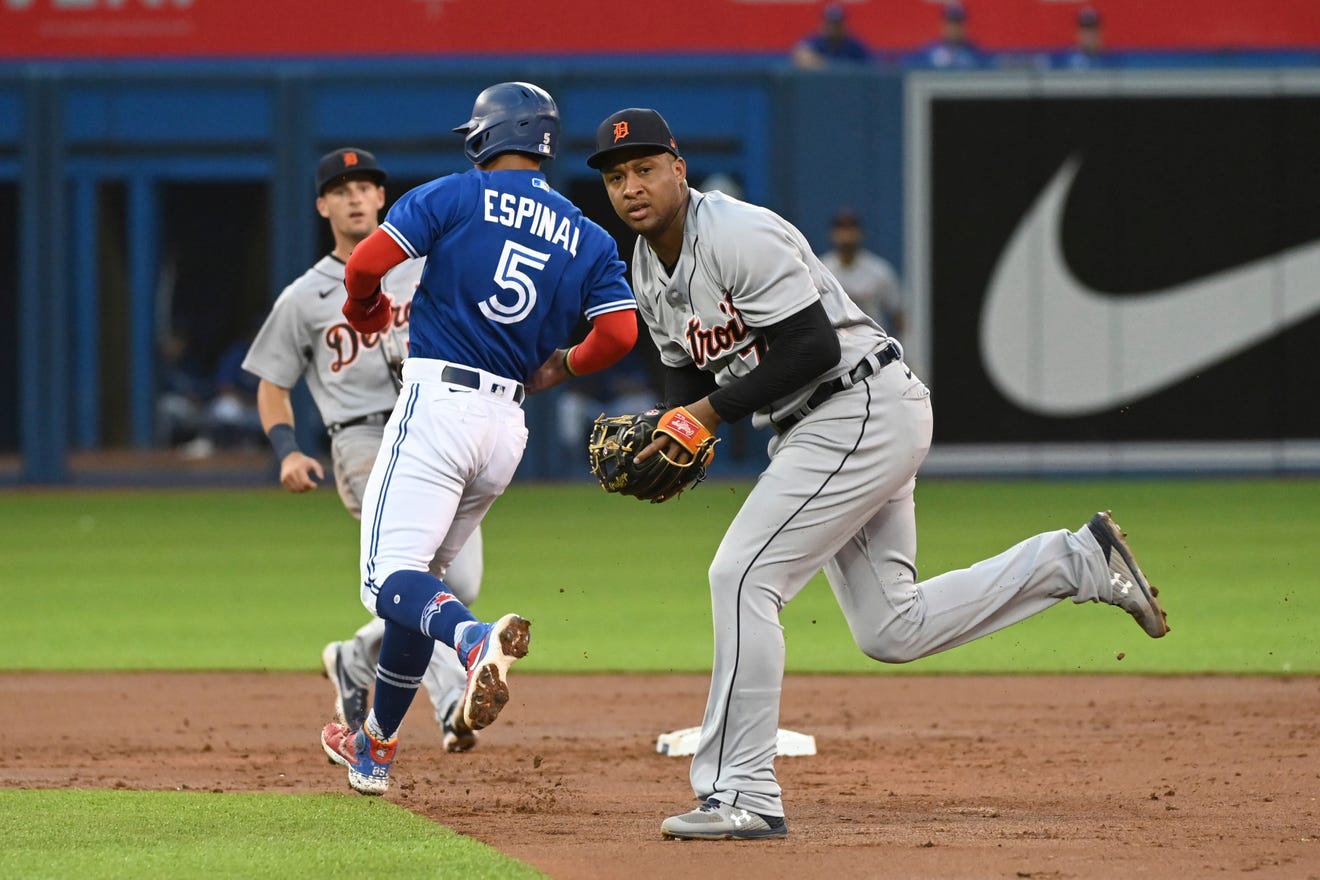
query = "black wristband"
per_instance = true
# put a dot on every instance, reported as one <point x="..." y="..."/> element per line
<point x="282" y="440"/>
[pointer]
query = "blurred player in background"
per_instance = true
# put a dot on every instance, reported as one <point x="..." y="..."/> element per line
<point x="867" y="278"/>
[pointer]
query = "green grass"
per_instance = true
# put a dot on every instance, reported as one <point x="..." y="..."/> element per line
<point x="195" y="579"/>
<point x="183" y="835"/>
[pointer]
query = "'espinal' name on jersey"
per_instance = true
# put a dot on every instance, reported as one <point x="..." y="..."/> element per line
<point x="511" y="266"/>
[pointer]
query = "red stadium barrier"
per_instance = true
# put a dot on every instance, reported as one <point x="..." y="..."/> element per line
<point x="33" y="29"/>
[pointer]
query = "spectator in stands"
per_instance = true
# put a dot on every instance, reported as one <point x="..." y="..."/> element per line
<point x="184" y="388"/>
<point x="867" y="278"/>
<point x="1088" y="49"/>
<point x="832" y="44"/>
<point x="229" y="418"/>
<point x="953" y="50"/>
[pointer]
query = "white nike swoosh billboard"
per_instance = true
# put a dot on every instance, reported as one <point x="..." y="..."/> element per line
<point x="1115" y="271"/>
<point x="1088" y="352"/>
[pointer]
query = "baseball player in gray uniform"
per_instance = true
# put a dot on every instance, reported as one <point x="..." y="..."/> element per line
<point x="748" y="322"/>
<point x="353" y="379"/>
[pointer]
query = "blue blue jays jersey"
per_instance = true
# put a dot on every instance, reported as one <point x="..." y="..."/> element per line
<point x="511" y="266"/>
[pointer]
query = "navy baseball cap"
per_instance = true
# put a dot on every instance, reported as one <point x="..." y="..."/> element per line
<point x="954" y="12"/>
<point x="342" y="163"/>
<point x="634" y="127"/>
<point x="1088" y="18"/>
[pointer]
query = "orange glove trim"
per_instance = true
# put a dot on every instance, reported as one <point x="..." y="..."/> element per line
<point x="695" y="437"/>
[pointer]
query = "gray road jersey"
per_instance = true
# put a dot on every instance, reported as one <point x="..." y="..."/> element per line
<point x="742" y="268"/>
<point x="307" y="334"/>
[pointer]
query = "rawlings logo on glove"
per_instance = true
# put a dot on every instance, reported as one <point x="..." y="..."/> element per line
<point x="616" y="440"/>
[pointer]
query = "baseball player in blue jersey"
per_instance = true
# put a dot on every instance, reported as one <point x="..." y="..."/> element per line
<point x="750" y="323"/>
<point x="351" y="378"/>
<point x="511" y="267"/>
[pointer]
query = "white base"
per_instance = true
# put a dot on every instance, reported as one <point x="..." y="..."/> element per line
<point x="678" y="743"/>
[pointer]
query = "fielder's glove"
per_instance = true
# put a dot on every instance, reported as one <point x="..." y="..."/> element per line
<point x="616" y="440"/>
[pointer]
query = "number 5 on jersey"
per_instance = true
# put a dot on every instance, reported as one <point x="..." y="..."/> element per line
<point x="509" y="275"/>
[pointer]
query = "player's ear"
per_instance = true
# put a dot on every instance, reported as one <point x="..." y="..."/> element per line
<point x="321" y="207"/>
<point x="680" y="168"/>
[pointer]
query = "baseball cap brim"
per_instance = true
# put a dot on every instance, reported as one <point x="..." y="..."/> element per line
<point x="642" y="148"/>
<point x="376" y="177"/>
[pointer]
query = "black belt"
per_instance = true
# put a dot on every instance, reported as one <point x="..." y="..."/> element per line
<point x="376" y="419"/>
<point x="472" y="379"/>
<point x="825" y="390"/>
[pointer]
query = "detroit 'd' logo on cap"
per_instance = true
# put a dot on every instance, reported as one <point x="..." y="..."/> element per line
<point x="350" y="159"/>
<point x="620" y="131"/>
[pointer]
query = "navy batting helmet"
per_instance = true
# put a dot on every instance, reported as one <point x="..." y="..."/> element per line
<point x="512" y="117"/>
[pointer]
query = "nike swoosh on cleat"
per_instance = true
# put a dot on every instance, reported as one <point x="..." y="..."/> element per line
<point x="1056" y="347"/>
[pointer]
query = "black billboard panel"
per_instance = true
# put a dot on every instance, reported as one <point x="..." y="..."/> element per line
<point x="1122" y="263"/>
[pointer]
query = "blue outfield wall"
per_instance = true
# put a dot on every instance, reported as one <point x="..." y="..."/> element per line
<point x="79" y="139"/>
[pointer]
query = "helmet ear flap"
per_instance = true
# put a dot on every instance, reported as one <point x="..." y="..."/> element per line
<point x="476" y="143"/>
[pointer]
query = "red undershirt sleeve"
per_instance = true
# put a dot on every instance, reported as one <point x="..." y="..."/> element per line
<point x="612" y="336"/>
<point x="371" y="259"/>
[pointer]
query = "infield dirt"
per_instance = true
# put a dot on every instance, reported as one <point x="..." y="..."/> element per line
<point x="916" y="776"/>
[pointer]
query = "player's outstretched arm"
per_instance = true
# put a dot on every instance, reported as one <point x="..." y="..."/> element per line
<point x="298" y="472"/>
<point x="612" y="336"/>
<point x="551" y="373"/>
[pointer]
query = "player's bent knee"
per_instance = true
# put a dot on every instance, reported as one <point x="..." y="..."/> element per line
<point x="405" y="596"/>
<point x="728" y="568"/>
<point x="888" y="653"/>
<point x="896" y="643"/>
<point x="373" y="586"/>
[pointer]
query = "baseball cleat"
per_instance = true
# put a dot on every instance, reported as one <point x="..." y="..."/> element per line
<point x="488" y="662"/>
<point x="457" y="736"/>
<point x="716" y="821"/>
<point x="367" y="758"/>
<point x="350" y="698"/>
<point x="1129" y="588"/>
